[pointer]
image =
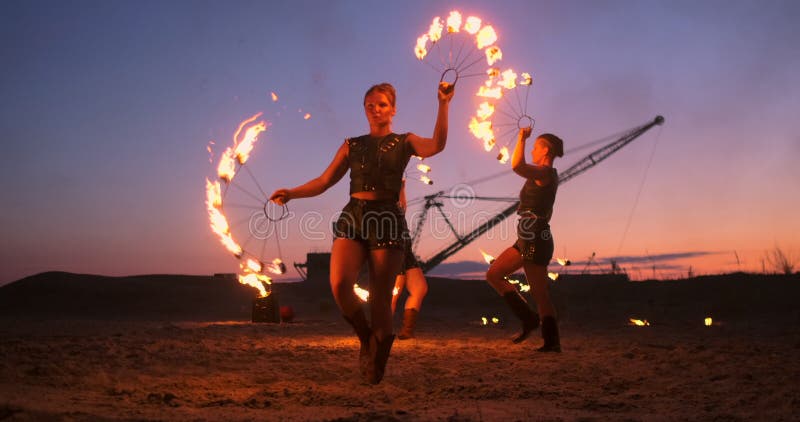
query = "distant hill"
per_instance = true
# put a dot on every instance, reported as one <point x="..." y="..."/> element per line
<point x="586" y="298"/>
<point x="61" y="294"/>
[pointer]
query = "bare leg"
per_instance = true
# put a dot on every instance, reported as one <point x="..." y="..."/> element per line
<point x="504" y="265"/>
<point x="347" y="256"/>
<point x="399" y="285"/>
<point x="537" y="277"/>
<point x="384" y="265"/>
<point x="417" y="287"/>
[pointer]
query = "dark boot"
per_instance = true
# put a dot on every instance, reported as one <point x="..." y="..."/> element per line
<point x="550" y="336"/>
<point x="530" y="320"/>
<point x="359" y="323"/>
<point x="409" y="322"/>
<point x="378" y="356"/>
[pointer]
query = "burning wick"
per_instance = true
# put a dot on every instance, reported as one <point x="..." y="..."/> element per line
<point x="709" y="321"/>
<point x="639" y="322"/>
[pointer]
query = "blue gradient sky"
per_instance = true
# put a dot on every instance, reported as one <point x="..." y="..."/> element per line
<point x="106" y="109"/>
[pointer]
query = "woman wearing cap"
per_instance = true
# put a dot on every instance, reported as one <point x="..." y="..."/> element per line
<point x="371" y="227"/>
<point x="534" y="246"/>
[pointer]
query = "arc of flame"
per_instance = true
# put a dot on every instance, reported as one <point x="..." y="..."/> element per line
<point x="472" y="25"/>
<point x="486" y="36"/>
<point x="503" y="156"/>
<point x="493" y="54"/>
<point x="218" y="222"/>
<point x="639" y="322"/>
<point x="435" y="30"/>
<point x="454" y="21"/>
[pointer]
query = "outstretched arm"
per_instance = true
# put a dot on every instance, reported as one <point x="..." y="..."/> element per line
<point x="426" y="147"/>
<point x="539" y="173"/>
<point x="335" y="171"/>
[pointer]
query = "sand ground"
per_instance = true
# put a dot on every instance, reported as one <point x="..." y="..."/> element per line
<point x="456" y="370"/>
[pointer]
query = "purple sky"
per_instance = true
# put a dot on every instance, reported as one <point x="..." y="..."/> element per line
<point x="106" y="109"/>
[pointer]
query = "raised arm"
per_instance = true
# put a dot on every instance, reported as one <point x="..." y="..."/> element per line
<point x="335" y="171"/>
<point x="541" y="174"/>
<point x="426" y="147"/>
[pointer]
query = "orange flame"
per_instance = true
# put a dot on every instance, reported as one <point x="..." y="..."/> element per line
<point x="486" y="257"/>
<point x="453" y="21"/>
<point x="526" y="79"/>
<point x="424" y="168"/>
<point x="708" y="321"/>
<point x="639" y="322"/>
<point x="307" y="116"/>
<point x="277" y="267"/>
<point x="435" y="31"/>
<point x="509" y="80"/>
<point x="210" y="152"/>
<point x="253" y="265"/>
<point x="426" y="180"/>
<point x="361" y="293"/>
<point x="218" y="222"/>
<point x="563" y="262"/>
<point x="553" y="276"/>
<point x="227" y="165"/>
<point x="487" y="92"/>
<point x="274" y="96"/>
<point x="481" y="130"/>
<point x="503" y="156"/>
<point x="257" y="281"/>
<point x="493" y="54"/>
<point x="485" y="110"/>
<point x="486" y="36"/>
<point x="493" y="72"/>
<point x="473" y="25"/>
<point x="420" y="50"/>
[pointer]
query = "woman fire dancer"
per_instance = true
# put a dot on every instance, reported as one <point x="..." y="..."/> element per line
<point x="534" y="246"/>
<point x="371" y="227"/>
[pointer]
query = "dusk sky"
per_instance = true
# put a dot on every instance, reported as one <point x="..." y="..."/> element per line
<point x="107" y="108"/>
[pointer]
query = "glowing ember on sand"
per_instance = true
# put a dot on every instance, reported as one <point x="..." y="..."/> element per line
<point x="639" y="322"/>
<point x="709" y="321"/>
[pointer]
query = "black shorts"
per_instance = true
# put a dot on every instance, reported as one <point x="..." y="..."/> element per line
<point x="410" y="260"/>
<point x="534" y="241"/>
<point x="376" y="224"/>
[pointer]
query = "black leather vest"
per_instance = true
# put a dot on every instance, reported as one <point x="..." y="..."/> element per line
<point x="377" y="164"/>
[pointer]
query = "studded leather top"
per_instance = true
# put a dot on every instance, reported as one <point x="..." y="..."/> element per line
<point x="377" y="164"/>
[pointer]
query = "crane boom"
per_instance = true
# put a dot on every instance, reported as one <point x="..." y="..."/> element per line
<point x="584" y="164"/>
